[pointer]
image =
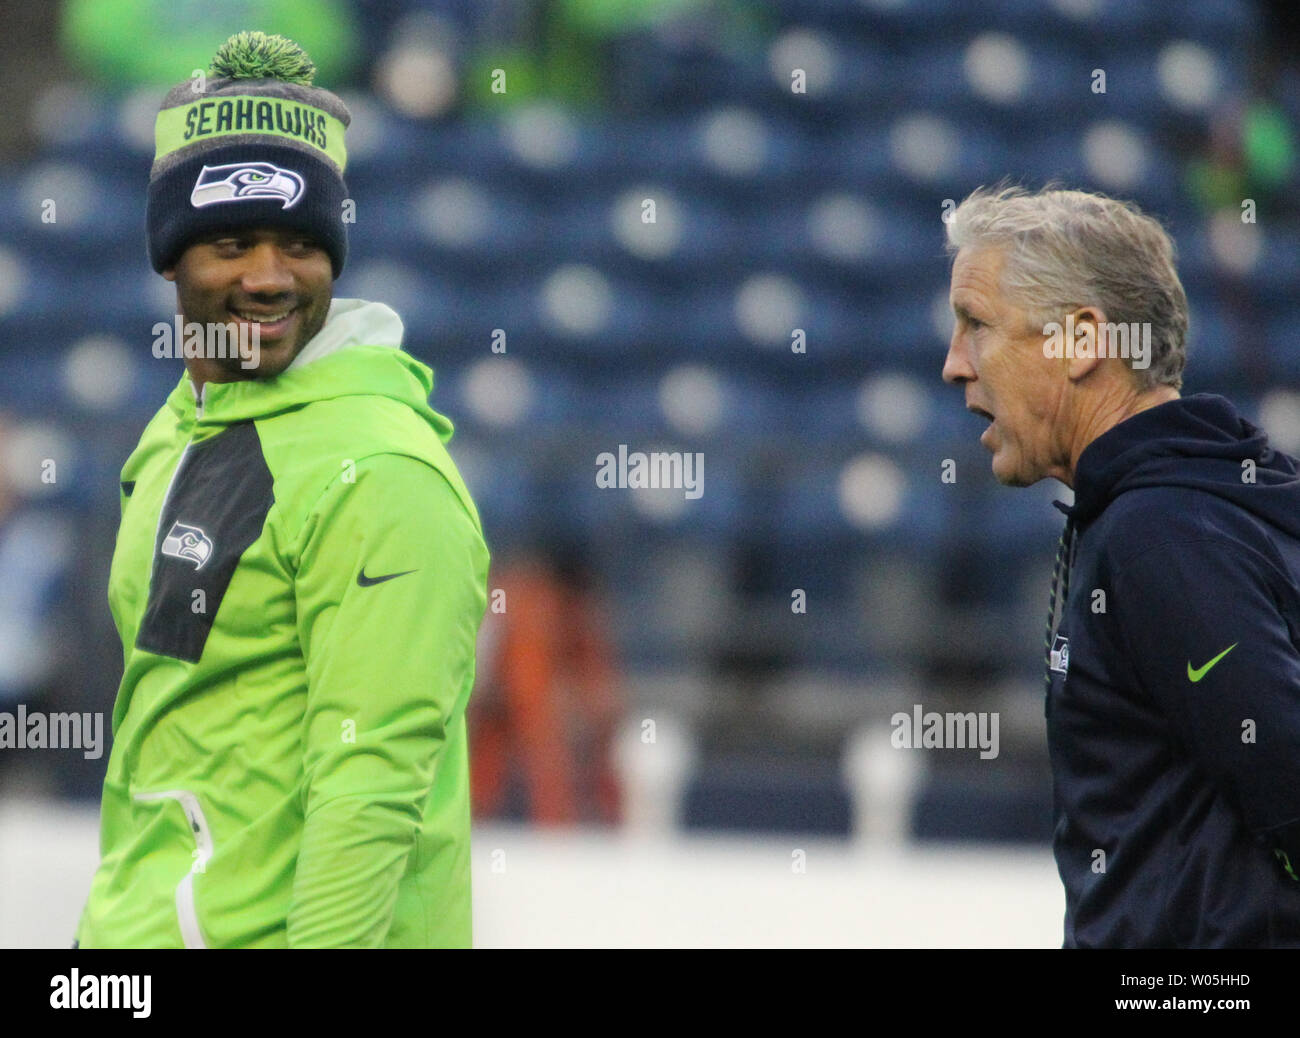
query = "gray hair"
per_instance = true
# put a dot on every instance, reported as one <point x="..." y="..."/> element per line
<point x="1068" y="249"/>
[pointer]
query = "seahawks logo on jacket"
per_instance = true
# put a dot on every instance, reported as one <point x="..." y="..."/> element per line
<point x="246" y="181"/>
<point x="187" y="542"/>
<point x="1059" y="659"/>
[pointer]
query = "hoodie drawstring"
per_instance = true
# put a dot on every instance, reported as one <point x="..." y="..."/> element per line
<point x="1061" y="582"/>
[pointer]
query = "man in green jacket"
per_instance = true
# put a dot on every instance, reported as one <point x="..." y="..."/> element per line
<point x="299" y="573"/>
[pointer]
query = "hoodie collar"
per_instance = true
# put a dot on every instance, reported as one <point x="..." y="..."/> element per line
<point x="351" y="322"/>
<point x="1204" y="425"/>
<point x="357" y="350"/>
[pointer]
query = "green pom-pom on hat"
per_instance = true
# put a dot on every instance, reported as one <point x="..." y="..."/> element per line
<point x="255" y="55"/>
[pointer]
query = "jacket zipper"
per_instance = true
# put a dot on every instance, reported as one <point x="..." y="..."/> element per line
<point x="186" y="911"/>
<point x="187" y="915"/>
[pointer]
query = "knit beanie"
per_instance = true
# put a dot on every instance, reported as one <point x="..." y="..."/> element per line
<point x="255" y="145"/>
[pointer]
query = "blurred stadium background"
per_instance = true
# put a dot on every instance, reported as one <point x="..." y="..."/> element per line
<point x="652" y="761"/>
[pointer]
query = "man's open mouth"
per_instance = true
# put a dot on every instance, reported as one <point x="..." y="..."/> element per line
<point x="269" y="323"/>
<point x="981" y="412"/>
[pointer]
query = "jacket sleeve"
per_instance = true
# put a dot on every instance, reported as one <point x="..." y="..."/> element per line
<point x="388" y="664"/>
<point x="1213" y="647"/>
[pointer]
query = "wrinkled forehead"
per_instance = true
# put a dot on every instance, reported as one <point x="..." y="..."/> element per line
<point x="979" y="289"/>
<point x="977" y="274"/>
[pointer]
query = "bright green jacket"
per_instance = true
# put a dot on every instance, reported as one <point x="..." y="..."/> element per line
<point x="298" y="581"/>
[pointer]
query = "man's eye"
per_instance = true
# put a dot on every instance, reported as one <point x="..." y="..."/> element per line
<point x="974" y="322"/>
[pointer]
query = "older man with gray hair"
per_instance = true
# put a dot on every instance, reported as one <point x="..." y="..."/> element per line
<point x="1173" y="674"/>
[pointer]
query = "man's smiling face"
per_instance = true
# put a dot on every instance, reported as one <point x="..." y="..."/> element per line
<point x="997" y="354"/>
<point x="280" y="281"/>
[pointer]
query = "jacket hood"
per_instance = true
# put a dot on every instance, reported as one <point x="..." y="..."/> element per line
<point x="357" y="352"/>
<point x="1198" y="441"/>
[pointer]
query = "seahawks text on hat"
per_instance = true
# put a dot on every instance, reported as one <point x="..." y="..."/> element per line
<point x="207" y="120"/>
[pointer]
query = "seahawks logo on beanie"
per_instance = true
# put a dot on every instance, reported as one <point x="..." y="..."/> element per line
<point x="256" y="133"/>
<point x="241" y="181"/>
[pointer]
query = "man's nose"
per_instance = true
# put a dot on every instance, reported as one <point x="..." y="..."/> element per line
<point x="957" y="366"/>
<point x="266" y="273"/>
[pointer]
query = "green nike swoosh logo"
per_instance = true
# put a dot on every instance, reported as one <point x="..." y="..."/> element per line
<point x="1196" y="675"/>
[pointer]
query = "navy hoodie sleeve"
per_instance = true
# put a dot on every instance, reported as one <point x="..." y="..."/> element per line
<point x="1212" y="648"/>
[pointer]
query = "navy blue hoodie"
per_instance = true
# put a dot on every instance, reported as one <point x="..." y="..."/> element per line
<point x="1173" y="703"/>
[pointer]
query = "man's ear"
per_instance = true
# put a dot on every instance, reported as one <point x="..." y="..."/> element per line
<point x="169" y="273"/>
<point x="1089" y="324"/>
